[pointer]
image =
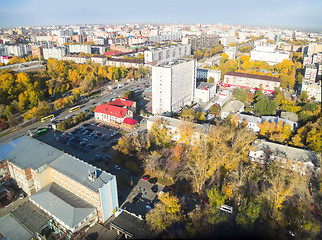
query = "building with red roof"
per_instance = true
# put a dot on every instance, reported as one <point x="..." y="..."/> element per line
<point x="129" y="122"/>
<point x="116" y="111"/>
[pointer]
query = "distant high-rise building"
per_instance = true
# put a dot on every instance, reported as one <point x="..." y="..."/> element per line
<point x="57" y="53"/>
<point x="37" y="51"/>
<point x="167" y="54"/>
<point x="203" y="41"/>
<point x="78" y="38"/>
<point x="77" y="48"/>
<point x="173" y="86"/>
<point x="311" y="72"/>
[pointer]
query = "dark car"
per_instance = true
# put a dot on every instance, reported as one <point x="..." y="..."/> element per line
<point x="153" y="180"/>
<point x="154" y="188"/>
<point x="137" y="197"/>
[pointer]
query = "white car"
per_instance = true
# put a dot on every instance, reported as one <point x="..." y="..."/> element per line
<point x="117" y="167"/>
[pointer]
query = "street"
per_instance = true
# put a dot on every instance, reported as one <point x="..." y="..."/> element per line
<point x="92" y="102"/>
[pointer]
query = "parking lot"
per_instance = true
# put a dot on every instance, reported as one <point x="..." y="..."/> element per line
<point x="85" y="142"/>
<point x="143" y="196"/>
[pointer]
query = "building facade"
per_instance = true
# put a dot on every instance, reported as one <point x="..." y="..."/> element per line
<point x="311" y="72"/>
<point x="34" y="165"/>
<point x="173" y="86"/>
<point x="116" y="111"/>
<point x="77" y="48"/>
<point x="203" y="41"/>
<point x="57" y="53"/>
<point x="204" y="92"/>
<point x="167" y="54"/>
<point x="268" y="54"/>
<point x="251" y="81"/>
<point x="313" y="89"/>
<point x="37" y="51"/>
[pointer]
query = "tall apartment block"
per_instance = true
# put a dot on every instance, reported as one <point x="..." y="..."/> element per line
<point x="173" y="86"/>
<point x="57" y="53"/>
<point x="167" y="54"/>
<point x="203" y="41"/>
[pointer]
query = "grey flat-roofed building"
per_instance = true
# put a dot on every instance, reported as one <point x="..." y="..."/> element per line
<point x="79" y="170"/>
<point x="31" y="153"/>
<point x="11" y="229"/>
<point x="67" y="208"/>
<point x="31" y="217"/>
<point x="264" y="150"/>
<point x="130" y="225"/>
<point x="24" y="222"/>
<point x="233" y="107"/>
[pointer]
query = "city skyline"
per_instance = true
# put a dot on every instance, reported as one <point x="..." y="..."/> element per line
<point x="300" y="15"/>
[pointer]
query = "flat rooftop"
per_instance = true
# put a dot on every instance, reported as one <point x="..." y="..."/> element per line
<point x="129" y="223"/>
<point x="62" y="204"/>
<point x="78" y="170"/>
<point x="27" y="152"/>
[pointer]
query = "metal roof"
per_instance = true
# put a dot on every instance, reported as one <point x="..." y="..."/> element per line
<point x="79" y="170"/>
<point x="204" y="85"/>
<point x="31" y="217"/>
<point x="292" y="153"/>
<point x="26" y="152"/>
<point x="233" y="106"/>
<point x="12" y="229"/>
<point x="62" y="204"/>
<point x="131" y="224"/>
<point x="254" y="76"/>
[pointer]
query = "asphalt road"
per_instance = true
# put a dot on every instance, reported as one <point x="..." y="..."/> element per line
<point x="92" y="102"/>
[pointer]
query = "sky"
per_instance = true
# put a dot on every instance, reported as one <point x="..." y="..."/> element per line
<point x="296" y="14"/>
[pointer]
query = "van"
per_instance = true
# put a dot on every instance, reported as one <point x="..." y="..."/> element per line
<point x="227" y="209"/>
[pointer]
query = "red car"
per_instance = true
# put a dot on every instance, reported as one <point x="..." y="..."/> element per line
<point x="145" y="178"/>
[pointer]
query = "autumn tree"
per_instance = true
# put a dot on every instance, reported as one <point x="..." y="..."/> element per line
<point x="196" y="222"/>
<point x="189" y="115"/>
<point x="165" y="213"/>
<point x="280" y="183"/>
<point x="160" y="133"/>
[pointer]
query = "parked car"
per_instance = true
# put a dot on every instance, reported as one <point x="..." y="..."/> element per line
<point x="117" y="167"/>
<point x="145" y="177"/>
<point x="153" y="180"/>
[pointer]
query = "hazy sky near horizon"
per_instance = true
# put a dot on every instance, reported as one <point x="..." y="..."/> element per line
<point x="298" y="14"/>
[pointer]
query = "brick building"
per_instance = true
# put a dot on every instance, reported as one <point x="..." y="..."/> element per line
<point x="251" y="81"/>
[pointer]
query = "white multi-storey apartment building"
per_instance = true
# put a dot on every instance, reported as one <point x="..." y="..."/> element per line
<point x="57" y="53"/>
<point x="77" y="48"/>
<point x="18" y="50"/>
<point x="310" y="72"/>
<point x="312" y="89"/>
<point x="268" y="54"/>
<point x="167" y="54"/>
<point x="173" y="86"/>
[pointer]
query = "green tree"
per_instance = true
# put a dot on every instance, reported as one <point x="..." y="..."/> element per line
<point x="265" y="107"/>
<point x="214" y="109"/>
<point x="240" y="94"/>
<point x="248" y="213"/>
<point x="211" y="80"/>
<point x="216" y="199"/>
<point x="128" y="94"/>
